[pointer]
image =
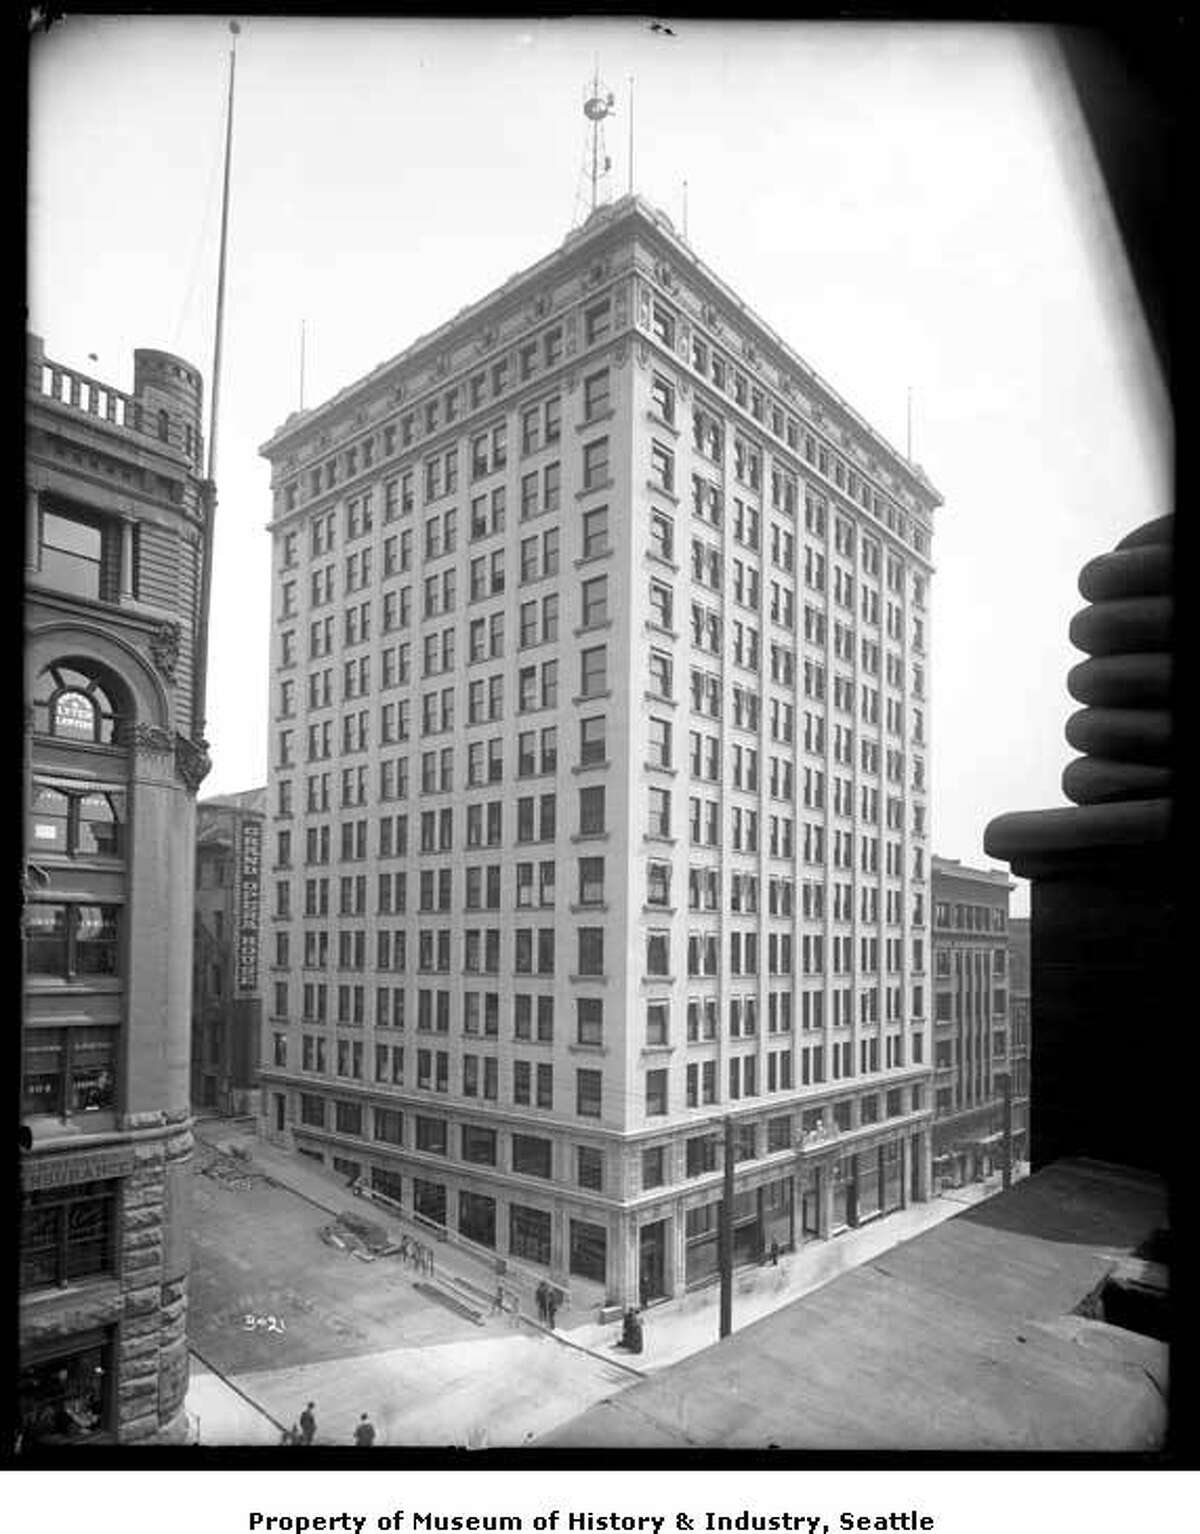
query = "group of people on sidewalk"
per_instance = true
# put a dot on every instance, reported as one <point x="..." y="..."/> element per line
<point x="304" y="1431"/>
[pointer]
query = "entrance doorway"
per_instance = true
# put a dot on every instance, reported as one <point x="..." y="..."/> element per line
<point x="652" y="1261"/>
<point x="810" y="1203"/>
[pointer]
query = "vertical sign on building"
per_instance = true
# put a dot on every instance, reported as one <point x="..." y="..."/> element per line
<point x="249" y="871"/>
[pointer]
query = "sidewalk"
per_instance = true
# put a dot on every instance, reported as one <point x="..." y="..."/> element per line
<point x="675" y="1329"/>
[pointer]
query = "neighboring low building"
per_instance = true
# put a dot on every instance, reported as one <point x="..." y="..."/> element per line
<point x="971" y="1044"/>
<point x="1019" y="1044"/>
<point x="227" y="985"/>
<point x="117" y="519"/>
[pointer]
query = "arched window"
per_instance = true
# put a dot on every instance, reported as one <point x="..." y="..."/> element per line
<point x="73" y="706"/>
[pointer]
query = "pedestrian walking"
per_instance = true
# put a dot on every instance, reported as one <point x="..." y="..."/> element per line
<point x="364" y="1433"/>
<point x="308" y="1425"/>
<point x="542" y="1295"/>
<point x="552" y="1303"/>
<point x="774" y="1254"/>
<point x="404" y="1250"/>
<point x="498" y="1300"/>
<point x="644" y="1290"/>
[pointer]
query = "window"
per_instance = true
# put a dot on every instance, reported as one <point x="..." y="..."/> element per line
<point x="77" y="823"/>
<point x="654" y="1173"/>
<point x="478" y="1145"/>
<point x="591" y="881"/>
<point x="531" y="1155"/>
<point x="656" y="1093"/>
<point x="595" y="532"/>
<point x="431" y="1136"/>
<point x="597" y="322"/>
<point x="592" y="742"/>
<point x="591" y="951"/>
<point x="588" y="1088"/>
<point x="72" y="940"/>
<point x="591" y="811"/>
<point x="67" y="1071"/>
<point x="657" y="1023"/>
<point x="659" y="805"/>
<point x="79" y="554"/>
<point x="661" y="604"/>
<point x="596" y="396"/>
<point x="593" y="671"/>
<point x="70" y="704"/>
<point x="529" y="1234"/>
<point x="662" y="466"/>
<point x="595" y="464"/>
<point x="589" y="1168"/>
<point x="589" y="1021"/>
<point x="67" y="1235"/>
<point x="594" y="602"/>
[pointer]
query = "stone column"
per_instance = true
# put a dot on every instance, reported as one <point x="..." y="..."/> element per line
<point x="676" y="1282"/>
<point x="824" y="1201"/>
<point x="126" y="559"/>
<point x="32" y="530"/>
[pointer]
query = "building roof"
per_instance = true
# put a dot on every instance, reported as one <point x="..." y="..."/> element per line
<point x="954" y="868"/>
<point x="598" y="225"/>
<point x="963" y="1338"/>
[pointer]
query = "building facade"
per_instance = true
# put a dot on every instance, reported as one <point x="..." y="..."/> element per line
<point x="972" y="1021"/>
<point x="1019" y="1042"/>
<point x="599" y="778"/>
<point x="227" y="953"/>
<point x="116" y="518"/>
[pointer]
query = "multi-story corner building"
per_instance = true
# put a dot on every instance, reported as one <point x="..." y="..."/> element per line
<point x="971" y="1019"/>
<point x="227" y="986"/>
<point x="599" y="778"/>
<point x="116" y="518"/>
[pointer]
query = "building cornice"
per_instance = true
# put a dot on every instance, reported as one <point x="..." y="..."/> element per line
<point x="605" y="226"/>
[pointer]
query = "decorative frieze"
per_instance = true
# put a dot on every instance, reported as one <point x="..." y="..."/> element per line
<point x="192" y="761"/>
<point x="164" y="648"/>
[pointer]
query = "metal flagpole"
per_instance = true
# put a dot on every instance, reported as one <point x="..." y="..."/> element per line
<point x="210" y="486"/>
<point x="216" y="378"/>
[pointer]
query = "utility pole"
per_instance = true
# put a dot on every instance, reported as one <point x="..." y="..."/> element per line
<point x="725" y="1236"/>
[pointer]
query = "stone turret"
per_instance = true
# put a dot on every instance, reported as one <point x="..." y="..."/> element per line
<point x="1102" y="905"/>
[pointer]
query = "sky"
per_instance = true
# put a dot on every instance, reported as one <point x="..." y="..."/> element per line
<point x="911" y="206"/>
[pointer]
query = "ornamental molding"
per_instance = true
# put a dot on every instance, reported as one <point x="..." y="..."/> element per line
<point x="150" y="739"/>
<point x="192" y="761"/>
<point x="164" y="648"/>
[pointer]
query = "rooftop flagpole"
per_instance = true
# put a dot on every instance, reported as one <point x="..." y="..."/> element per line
<point x="209" y="490"/>
<point x="220" y="325"/>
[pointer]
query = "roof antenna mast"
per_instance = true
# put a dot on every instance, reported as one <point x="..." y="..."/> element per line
<point x="598" y="106"/>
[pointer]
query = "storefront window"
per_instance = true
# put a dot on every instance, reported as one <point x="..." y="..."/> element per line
<point x="67" y="1235"/>
<point x="64" y="1399"/>
<point x="529" y="1233"/>
<point x="589" y="1250"/>
<point x="477" y="1218"/>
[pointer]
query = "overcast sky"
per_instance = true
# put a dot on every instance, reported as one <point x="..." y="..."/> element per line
<point x="909" y="206"/>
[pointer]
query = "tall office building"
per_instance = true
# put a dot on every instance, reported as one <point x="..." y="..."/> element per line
<point x="599" y="778"/>
<point x="972" y="1038"/>
<point x="117" y="516"/>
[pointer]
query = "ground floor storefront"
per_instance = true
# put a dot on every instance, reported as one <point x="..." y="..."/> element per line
<point x="622" y="1222"/>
